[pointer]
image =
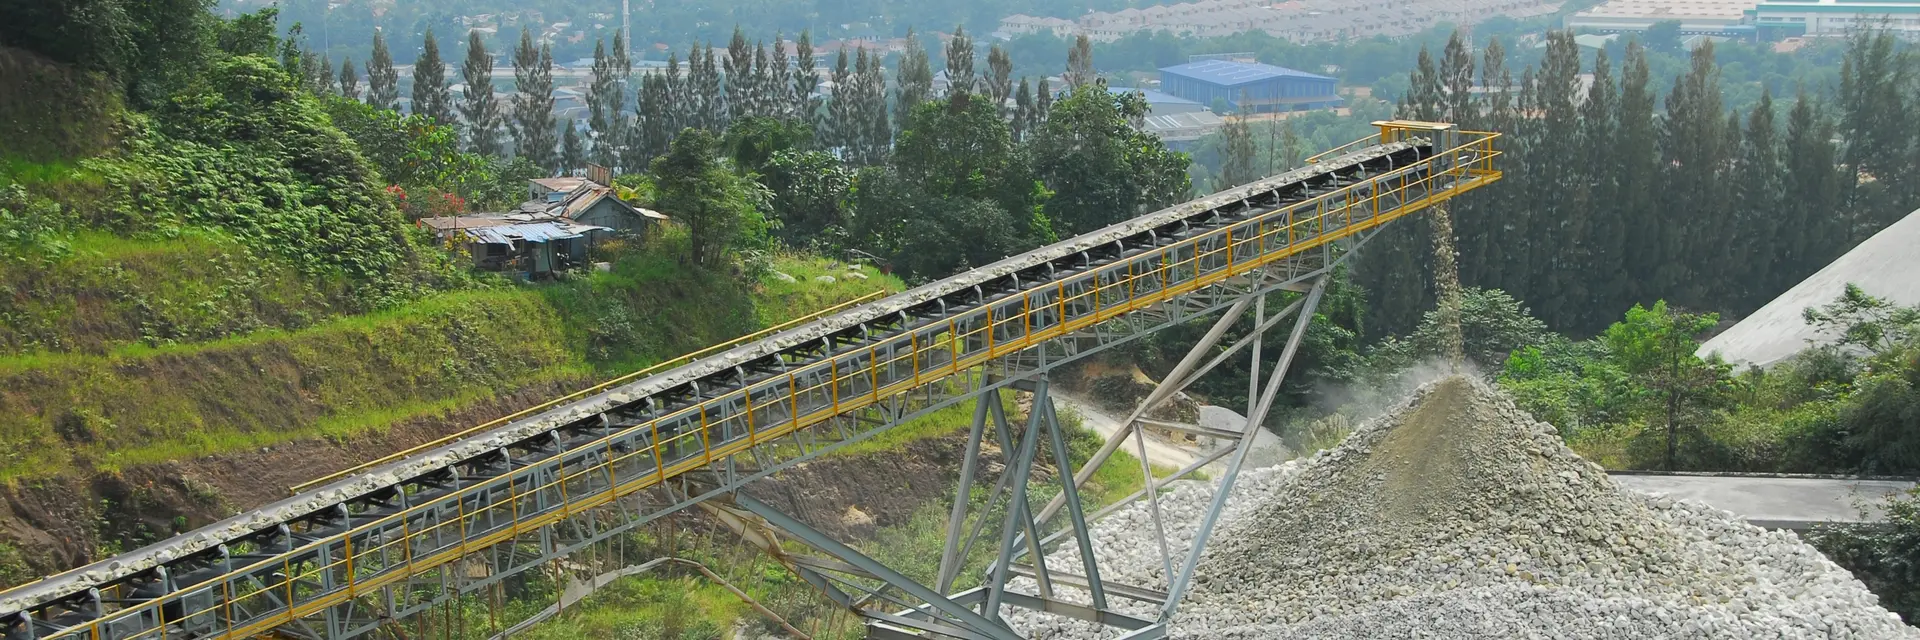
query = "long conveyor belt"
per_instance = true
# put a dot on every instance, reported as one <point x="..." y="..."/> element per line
<point x="352" y="537"/>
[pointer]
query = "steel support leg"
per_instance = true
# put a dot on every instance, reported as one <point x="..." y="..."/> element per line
<point x="958" y="613"/>
<point x="1178" y="587"/>
<point x="962" y="495"/>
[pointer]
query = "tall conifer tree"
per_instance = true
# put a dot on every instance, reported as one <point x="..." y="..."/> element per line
<point x="534" y="126"/>
<point x="349" y="80"/>
<point x="914" y="79"/>
<point x="478" y="105"/>
<point x="960" y="62"/>
<point x="606" y="108"/>
<point x="383" y="83"/>
<point x="430" y="95"/>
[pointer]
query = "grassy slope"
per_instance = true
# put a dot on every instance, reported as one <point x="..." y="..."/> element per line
<point x="133" y="404"/>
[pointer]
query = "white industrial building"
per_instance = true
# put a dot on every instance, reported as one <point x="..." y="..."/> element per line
<point x="1776" y="19"/>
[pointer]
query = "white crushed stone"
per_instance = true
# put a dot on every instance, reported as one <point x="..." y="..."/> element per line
<point x="1456" y="515"/>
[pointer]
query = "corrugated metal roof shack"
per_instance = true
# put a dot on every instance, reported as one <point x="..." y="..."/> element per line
<point x="554" y="231"/>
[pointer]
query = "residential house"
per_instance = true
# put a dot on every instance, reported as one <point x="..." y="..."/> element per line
<point x="554" y="230"/>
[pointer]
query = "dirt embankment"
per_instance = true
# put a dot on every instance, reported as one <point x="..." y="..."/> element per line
<point x="851" y="497"/>
<point x="63" y="522"/>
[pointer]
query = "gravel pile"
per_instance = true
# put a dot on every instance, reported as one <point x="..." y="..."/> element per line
<point x="1455" y="515"/>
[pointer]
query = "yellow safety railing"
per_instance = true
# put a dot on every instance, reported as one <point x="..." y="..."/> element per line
<point x="656" y="368"/>
<point x="379" y="553"/>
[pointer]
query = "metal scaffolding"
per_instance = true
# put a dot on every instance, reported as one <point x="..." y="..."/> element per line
<point x="342" y="559"/>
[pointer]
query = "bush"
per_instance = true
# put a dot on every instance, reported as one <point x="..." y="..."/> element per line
<point x="1885" y="556"/>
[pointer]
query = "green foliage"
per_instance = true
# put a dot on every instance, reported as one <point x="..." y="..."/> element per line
<point x="721" y="210"/>
<point x="415" y="152"/>
<point x="1885" y="555"/>
<point x="13" y="566"/>
<point x="810" y="191"/>
<point x="1875" y="324"/>
<point x="1099" y="168"/>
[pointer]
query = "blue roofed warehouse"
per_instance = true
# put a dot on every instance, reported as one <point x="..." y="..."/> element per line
<point x="1249" y="87"/>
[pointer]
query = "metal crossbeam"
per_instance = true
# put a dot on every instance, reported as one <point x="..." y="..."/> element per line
<point x="345" y="558"/>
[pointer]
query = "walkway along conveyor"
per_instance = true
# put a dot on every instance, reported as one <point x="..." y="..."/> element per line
<point x="341" y="559"/>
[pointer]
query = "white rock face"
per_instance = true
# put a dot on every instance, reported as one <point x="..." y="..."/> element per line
<point x="1455" y="515"/>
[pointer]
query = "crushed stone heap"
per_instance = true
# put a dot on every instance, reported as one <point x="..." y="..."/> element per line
<point x="1456" y="515"/>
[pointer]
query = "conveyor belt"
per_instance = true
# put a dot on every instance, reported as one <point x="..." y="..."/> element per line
<point x="324" y="548"/>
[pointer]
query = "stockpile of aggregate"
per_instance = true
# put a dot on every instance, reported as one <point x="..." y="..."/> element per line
<point x="1455" y="515"/>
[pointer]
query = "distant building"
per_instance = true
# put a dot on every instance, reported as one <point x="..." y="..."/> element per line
<point x="1161" y="104"/>
<point x="1249" y="88"/>
<point x="1708" y="17"/>
<point x="1775" y="19"/>
<point x="1181" y="130"/>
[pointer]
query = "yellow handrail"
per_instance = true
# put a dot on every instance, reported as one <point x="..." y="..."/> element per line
<point x="657" y="367"/>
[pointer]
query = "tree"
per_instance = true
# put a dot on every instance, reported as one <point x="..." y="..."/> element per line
<point x="325" y="77"/>
<point x="1456" y="81"/>
<point x="1423" y="98"/>
<point x="478" y="105"/>
<point x="959" y="62"/>
<point x="806" y="80"/>
<point x="573" y="154"/>
<point x="1098" y="167"/>
<point x="999" y="76"/>
<point x="1639" y="162"/>
<point x="349" y="81"/>
<point x="780" y="82"/>
<point x="533" y="121"/>
<point x="1875" y="121"/>
<point x="1875" y="324"/>
<point x="739" y="79"/>
<point x="1080" y="62"/>
<point x="914" y="77"/>
<point x="714" y="204"/>
<point x="1559" y="247"/>
<point x="430" y="94"/>
<point x="704" y="87"/>
<point x="383" y="83"/>
<point x="1694" y="154"/>
<point x="1760" y="197"/>
<point x="1664" y="36"/>
<point x="872" y="134"/>
<point x="653" y="122"/>
<point x="1813" y="230"/>
<point x="809" y="191"/>
<point x="1237" y="167"/>
<point x="1599" y="193"/>
<point x="837" y="129"/>
<point x="1023" y="109"/>
<point x="1656" y="347"/>
<point x="606" y="107"/>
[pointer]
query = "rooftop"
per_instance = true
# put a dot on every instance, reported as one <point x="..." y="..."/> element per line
<point x="1229" y="73"/>
<point x="1153" y="97"/>
<point x="1670" y="9"/>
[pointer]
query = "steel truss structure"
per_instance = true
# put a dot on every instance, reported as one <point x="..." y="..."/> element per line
<point x="392" y="541"/>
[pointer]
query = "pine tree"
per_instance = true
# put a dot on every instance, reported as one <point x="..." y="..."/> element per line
<point x="1559" y="243"/>
<point x="430" y="95"/>
<point x="1023" y="109"/>
<point x="780" y="79"/>
<point x="606" y="106"/>
<point x="960" y="62"/>
<point x="879" y="129"/>
<point x="1423" y="95"/>
<point x="1606" y="246"/>
<point x="1080" y="63"/>
<point x="1042" y="105"/>
<point x="914" y="77"/>
<point x="478" y="105"/>
<point x="533" y="121"/>
<point x="1813" y="230"/>
<point x="999" y="77"/>
<point x="572" y="154"/>
<point x="739" y="79"/>
<point x="1237" y="153"/>
<point x="1480" y="221"/>
<point x="349" y="80"/>
<point x="705" y="83"/>
<point x="806" y="80"/>
<point x="653" y="126"/>
<point x="677" y="112"/>
<point x="1638" y="161"/>
<point x="1692" y="153"/>
<point x="836" y="129"/>
<point x="1873" y="117"/>
<point x="758" y="98"/>
<point x="383" y="83"/>
<point x="326" y="76"/>
<point x="1456" y="81"/>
